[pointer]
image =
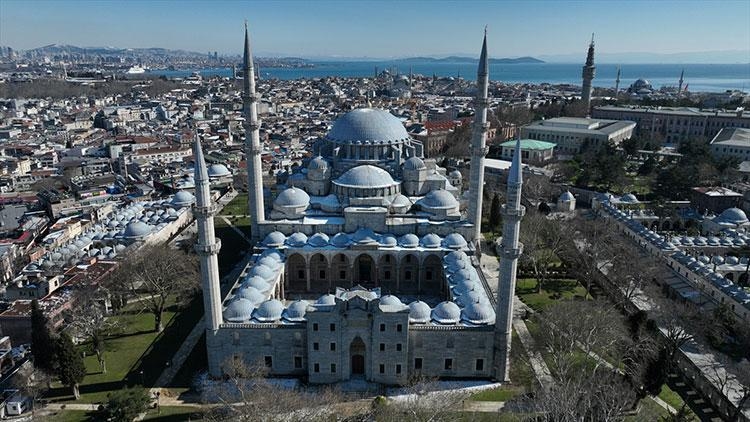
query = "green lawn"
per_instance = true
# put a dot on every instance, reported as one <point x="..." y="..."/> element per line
<point x="648" y="411"/>
<point x="136" y="355"/>
<point x="671" y="397"/>
<point x="553" y="291"/>
<point x="237" y="206"/>
<point x="165" y="414"/>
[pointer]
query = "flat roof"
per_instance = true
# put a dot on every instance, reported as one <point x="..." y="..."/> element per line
<point x="531" y="144"/>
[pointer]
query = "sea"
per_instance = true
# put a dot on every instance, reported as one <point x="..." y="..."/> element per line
<point x="698" y="77"/>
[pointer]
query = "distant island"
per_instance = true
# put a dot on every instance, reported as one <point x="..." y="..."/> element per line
<point x="459" y="59"/>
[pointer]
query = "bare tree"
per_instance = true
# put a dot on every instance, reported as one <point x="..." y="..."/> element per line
<point x="89" y="320"/>
<point x="158" y="273"/>
<point x="31" y="382"/>
<point x="543" y="240"/>
<point x="423" y="400"/>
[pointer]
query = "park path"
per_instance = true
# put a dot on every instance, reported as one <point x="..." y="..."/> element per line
<point x="538" y="365"/>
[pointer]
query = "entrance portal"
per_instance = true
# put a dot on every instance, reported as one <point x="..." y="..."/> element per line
<point x="365" y="270"/>
<point x="357" y="354"/>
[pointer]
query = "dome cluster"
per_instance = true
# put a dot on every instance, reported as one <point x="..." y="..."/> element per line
<point x="364" y="236"/>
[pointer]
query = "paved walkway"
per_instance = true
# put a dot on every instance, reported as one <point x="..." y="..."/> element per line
<point x="538" y="365"/>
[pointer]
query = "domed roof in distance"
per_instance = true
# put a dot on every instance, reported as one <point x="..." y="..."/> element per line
<point x="218" y="170"/>
<point x="269" y="310"/>
<point x="239" y="310"/>
<point x="296" y="311"/>
<point x="454" y="241"/>
<point x="409" y="240"/>
<point x="365" y="176"/>
<point x="419" y="312"/>
<point x="137" y="230"/>
<point x="367" y="124"/>
<point x="318" y="240"/>
<point x="439" y="199"/>
<point x="274" y="239"/>
<point x="446" y="313"/>
<point x="292" y="197"/>
<point x="733" y="215"/>
<point x="414" y="163"/>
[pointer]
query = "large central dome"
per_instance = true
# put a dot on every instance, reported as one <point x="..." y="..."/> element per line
<point x="368" y="124"/>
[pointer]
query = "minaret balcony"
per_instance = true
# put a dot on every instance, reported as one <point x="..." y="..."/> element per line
<point x="480" y="151"/>
<point x="482" y="102"/>
<point x="251" y="98"/>
<point x="205" y="250"/>
<point x="517" y="213"/>
<point x="512" y="253"/>
<point x="204" y="212"/>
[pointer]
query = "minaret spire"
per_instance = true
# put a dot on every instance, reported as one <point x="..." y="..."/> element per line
<point x="589" y="71"/>
<point x="617" y="82"/>
<point x="208" y="245"/>
<point x="478" y="144"/>
<point x="679" y="88"/>
<point x="512" y="212"/>
<point x="252" y="142"/>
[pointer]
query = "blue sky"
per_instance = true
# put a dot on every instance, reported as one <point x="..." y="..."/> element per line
<point x="383" y="28"/>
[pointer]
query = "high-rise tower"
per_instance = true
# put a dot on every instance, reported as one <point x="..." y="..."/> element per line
<point x="513" y="212"/>
<point x="478" y="141"/>
<point x="679" y="88"/>
<point x="252" y="143"/>
<point x="208" y="245"/>
<point x="589" y="70"/>
<point x="617" y="82"/>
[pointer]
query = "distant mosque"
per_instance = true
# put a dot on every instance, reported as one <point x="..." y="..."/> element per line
<point x="366" y="266"/>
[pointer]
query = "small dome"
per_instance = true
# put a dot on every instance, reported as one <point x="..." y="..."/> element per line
<point x="469" y="297"/>
<point x="465" y="285"/>
<point x="274" y="254"/>
<point x="454" y="241"/>
<point x="239" y="310"/>
<point x="296" y="311"/>
<point x="628" y="197"/>
<point x="269" y="262"/>
<point x="364" y="236"/>
<point x="419" y="312"/>
<point x="297" y="240"/>
<point x="318" y="240"/>
<point x="252" y="294"/>
<point x="400" y="204"/>
<point x="388" y="240"/>
<point x="732" y="260"/>
<point x="414" y="163"/>
<point x="455" y="174"/>
<point x="318" y="163"/>
<point x="455" y="257"/>
<point x="439" y="199"/>
<point x="478" y="313"/>
<point x="367" y="124"/>
<point x="431" y="240"/>
<point x="567" y="196"/>
<point x="341" y="240"/>
<point x="292" y="197"/>
<point x="269" y="310"/>
<point x="274" y="239"/>
<point x="408" y="241"/>
<point x="733" y="216"/>
<point x="718" y="260"/>
<point x="137" y="230"/>
<point x="446" y="313"/>
<point x="262" y="271"/>
<point x="328" y="299"/>
<point x="256" y="282"/>
<point x="391" y="300"/>
<point x="182" y="199"/>
<point x="218" y="170"/>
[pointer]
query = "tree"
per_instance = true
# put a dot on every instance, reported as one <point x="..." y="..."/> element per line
<point x="495" y="212"/>
<point x="42" y="342"/>
<point x="542" y="238"/>
<point x="126" y="404"/>
<point x="71" y="369"/>
<point x="32" y="382"/>
<point x="89" y="321"/>
<point x="158" y="273"/>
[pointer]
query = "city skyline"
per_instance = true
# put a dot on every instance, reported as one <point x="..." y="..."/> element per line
<point x="401" y="29"/>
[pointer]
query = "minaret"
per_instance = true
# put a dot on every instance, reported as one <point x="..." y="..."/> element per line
<point x="252" y="143"/>
<point x="512" y="212"/>
<point x="589" y="70"/>
<point x="478" y="147"/>
<point x="679" y="88"/>
<point x="617" y="82"/>
<point x="208" y="245"/>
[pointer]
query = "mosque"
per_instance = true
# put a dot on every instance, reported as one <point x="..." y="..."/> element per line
<point x="365" y="266"/>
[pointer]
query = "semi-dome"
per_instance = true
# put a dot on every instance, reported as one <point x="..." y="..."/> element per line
<point x="438" y="199"/>
<point x="390" y="300"/>
<point x="297" y="240"/>
<point x="274" y="239"/>
<point x="446" y="313"/>
<point x="431" y="240"/>
<point x="218" y="170"/>
<point x="252" y="294"/>
<point x="269" y="310"/>
<point x="733" y="216"/>
<point x="367" y="124"/>
<point x="419" y="312"/>
<point x="257" y="282"/>
<point x="318" y="240"/>
<point x="292" y="197"/>
<point x="239" y="310"/>
<point x="296" y="311"/>
<point x="137" y="230"/>
<point x="365" y="176"/>
<point x="326" y="300"/>
<point x="454" y="241"/>
<point x="478" y="313"/>
<point x="409" y="240"/>
<point x="414" y="163"/>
